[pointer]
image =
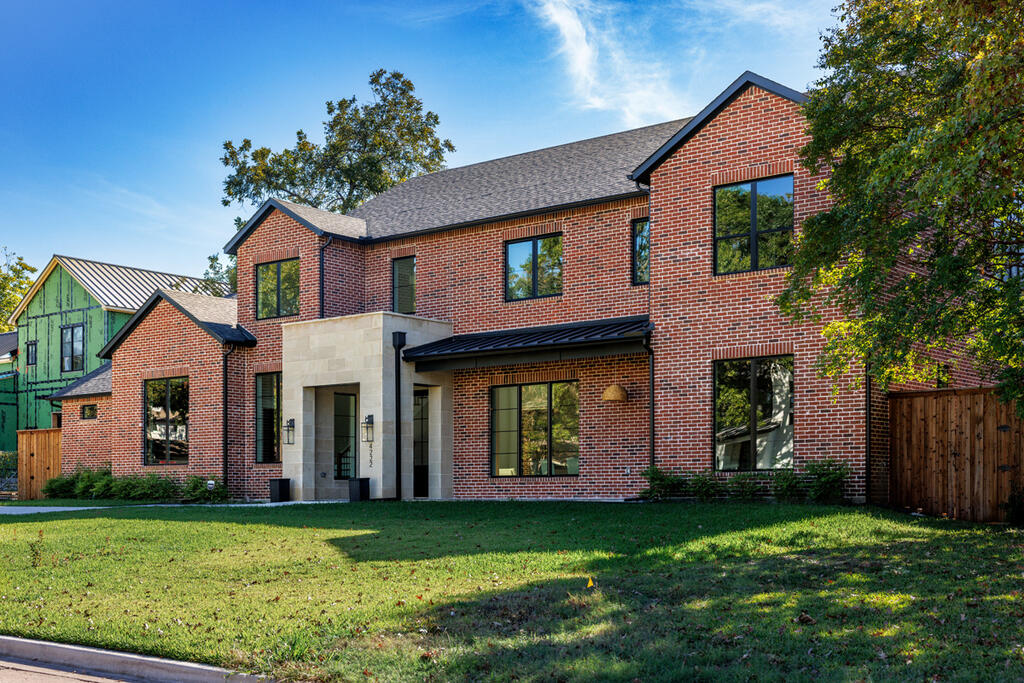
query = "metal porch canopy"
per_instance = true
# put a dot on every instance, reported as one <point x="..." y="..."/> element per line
<point x="592" y="338"/>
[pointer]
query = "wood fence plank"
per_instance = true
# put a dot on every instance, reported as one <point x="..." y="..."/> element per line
<point x="38" y="461"/>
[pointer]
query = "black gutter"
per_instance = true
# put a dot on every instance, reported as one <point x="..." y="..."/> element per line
<point x="650" y="389"/>
<point x="224" y="413"/>
<point x="867" y="433"/>
<point x="398" y="341"/>
<point x="323" y="246"/>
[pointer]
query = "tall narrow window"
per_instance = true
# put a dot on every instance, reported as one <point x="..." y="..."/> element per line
<point x="754" y="413"/>
<point x="533" y="268"/>
<point x="277" y="289"/>
<point x="72" y="348"/>
<point x="30" y="353"/>
<point x="641" y="240"/>
<point x="403" y="285"/>
<point x="166" y="421"/>
<point x="753" y="225"/>
<point x="268" y="417"/>
<point x="535" y="430"/>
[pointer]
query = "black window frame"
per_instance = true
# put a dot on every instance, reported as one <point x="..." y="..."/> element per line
<point x="95" y="412"/>
<point x="81" y="356"/>
<point x="632" y="251"/>
<point x="752" y="419"/>
<point x="394" y="284"/>
<point x="277" y="307"/>
<point x="145" y="421"/>
<point x="519" y="430"/>
<point x="753" y="233"/>
<point x="533" y="275"/>
<point x="31" y="353"/>
<point x="256" y="418"/>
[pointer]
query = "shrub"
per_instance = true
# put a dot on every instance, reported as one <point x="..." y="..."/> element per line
<point x="102" y="485"/>
<point x="195" y="491"/>
<point x="787" y="486"/>
<point x="8" y="463"/>
<point x="154" y="487"/>
<point x="744" y="486"/>
<point x="59" y="487"/>
<point x="124" y="488"/>
<point x="826" y="479"/>
<point x="86" y="480"/>
<point x="705" y="486"/>
<point x="661" y="484"/>
<point x="1014" y="505"/>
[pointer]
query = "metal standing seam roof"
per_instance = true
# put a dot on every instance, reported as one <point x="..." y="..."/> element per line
<point x="548" y="337"/>
<point x="96" y="383"/>
<point x="8" y="343"/>
<point x="122" y="287"/>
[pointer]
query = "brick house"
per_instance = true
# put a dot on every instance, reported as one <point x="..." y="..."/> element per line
<point x="545" y="325"/>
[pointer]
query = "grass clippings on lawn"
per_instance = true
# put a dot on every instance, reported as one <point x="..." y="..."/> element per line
<point x="499" y="591"/>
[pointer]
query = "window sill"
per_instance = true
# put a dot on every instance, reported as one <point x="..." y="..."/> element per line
<point x="168" y="466"/>
<point x="533" y="298"/>
<point x="267" y="465"/>
<point x="529" y="477"/>
<point x="277" y="318"/>
<point x="752" y="272"/>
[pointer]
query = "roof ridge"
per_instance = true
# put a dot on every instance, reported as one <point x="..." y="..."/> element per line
<point x="121" y="265"/>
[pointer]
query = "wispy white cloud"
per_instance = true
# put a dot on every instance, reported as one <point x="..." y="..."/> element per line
<point x="782" y="16"/>
<point x="606" y="64"/>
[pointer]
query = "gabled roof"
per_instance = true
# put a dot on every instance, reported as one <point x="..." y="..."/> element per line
<point x="554" y="341"/>
<point x="642" y="173"/>
<point x="96" y="383"/>
<point x="218" y="316"/>
<point x="572" y="174"/>
<point x="8" y="343"/>
<point x="116" y="288"/>
<point x="319" y="221"/>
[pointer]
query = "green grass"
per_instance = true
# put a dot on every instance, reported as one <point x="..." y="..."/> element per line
<point x="478" y="591"/>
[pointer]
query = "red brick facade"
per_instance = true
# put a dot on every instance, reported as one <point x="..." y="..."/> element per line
<point x="85" y="443"/>
<point x="698" y="318"/>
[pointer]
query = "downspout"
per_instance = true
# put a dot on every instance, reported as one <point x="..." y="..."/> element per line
<point x="323" y="247"/>
<point x="867" y="433"/>
<point x="224" y="413"/>
<point x="650" y="392"/>
<point x="398" y="341"/>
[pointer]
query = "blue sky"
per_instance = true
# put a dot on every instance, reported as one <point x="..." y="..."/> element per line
<point x="114" y="113"/>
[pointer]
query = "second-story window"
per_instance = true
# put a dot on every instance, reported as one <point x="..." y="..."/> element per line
<point x="403" y="285"/>
<point x="533" y="268"/>
<point x="72" y="348"/>
<point x="30" y="353"/>
<point x="753" y="225"/>
<point x="277" y="289"/>
<point x="641" y="248"/>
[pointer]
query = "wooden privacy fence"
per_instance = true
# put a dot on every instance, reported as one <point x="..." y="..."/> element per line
<point x="38" y="460"/>
<point x="954" y="452"/>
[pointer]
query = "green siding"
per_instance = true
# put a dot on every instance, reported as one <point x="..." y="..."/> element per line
<point x="61" y="301"/>
<point x="8" y="408"/>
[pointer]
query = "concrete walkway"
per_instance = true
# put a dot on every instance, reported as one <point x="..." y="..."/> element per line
<point x="37" y="509"/>
<point x="29" y="672"/>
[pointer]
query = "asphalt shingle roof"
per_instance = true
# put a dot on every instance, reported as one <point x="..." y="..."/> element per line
<point x="576" y="172"/>
<point x="8" y="342"/>
<point x="96" y="383"/>
<point x="122" y="287"/>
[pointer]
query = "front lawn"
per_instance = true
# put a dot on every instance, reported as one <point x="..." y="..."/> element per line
<point x="499" y="591"/>
<point x="72" y="502"/>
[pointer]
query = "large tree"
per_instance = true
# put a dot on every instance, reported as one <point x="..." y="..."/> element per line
<point x="367" y="149"/>
<point x="15" y="281"/>
<point x="920" y="118"/>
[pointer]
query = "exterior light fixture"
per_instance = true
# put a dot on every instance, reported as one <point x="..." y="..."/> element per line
<point x="210" y="484"/>
<point x="367" y="427"/>
<point x="289" y="431"/>
<point x="614" y="392"/>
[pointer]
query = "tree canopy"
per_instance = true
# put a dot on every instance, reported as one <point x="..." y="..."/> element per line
<point x="920" y="118"/>
<point x="15" y="281"/>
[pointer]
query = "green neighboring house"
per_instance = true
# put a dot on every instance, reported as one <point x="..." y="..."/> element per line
<point x="69" y="314"/>
<point x="8" y="391"/>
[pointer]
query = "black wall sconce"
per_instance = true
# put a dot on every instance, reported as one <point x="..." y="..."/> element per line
<point x="289" y="431"/>
<point x="367" y="427"/>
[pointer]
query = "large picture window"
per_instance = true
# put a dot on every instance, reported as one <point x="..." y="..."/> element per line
<point x="72" y="348"/>
<point x="753" y="225"/>
<point x="533" y="268"/>
<point x="754" y="413"/>
<point x="268" y="417"/>
<point x="403" y="285"/>
<point x="641" y="256"/>
<point x="167" y="421"/>
<point x="535" y="430"/>
<point x="277" y="289"/>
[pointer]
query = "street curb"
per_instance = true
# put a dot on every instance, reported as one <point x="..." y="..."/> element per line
<point x="115" y="663"/>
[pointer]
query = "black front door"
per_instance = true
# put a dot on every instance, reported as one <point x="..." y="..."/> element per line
<point x="344" y="436"/>
<point x="420" y="445"/>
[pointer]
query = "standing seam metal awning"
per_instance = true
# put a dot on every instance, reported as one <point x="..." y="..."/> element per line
<point x="533" y="344"/>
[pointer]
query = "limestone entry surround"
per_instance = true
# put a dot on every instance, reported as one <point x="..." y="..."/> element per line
<point x="355" y="354"/>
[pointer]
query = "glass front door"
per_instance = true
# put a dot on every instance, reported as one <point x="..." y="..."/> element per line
<point x="420" y="445"/>
<point x="345" y="432"/>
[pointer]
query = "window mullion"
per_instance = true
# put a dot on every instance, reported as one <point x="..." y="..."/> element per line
<point x="753" y="414"/>
<point x="519" y="430"/>
<point x="536" y="288"/>
<point x="278" y="311"/>
<point x="753" y="226"/>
